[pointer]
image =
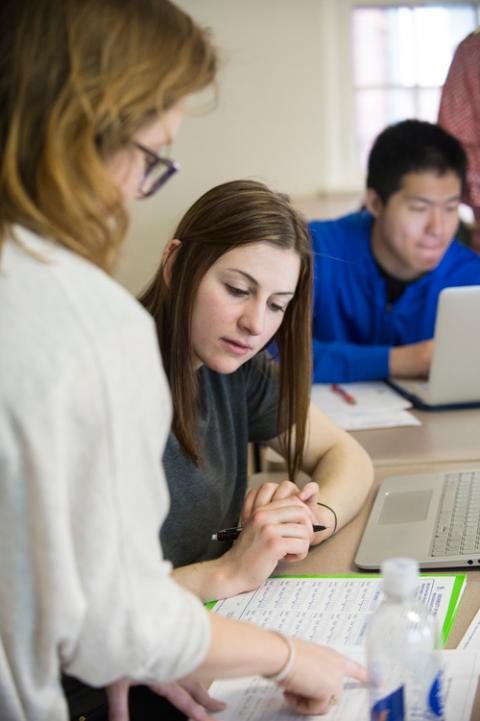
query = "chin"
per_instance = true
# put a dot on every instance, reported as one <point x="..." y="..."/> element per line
<point x="426" y="264"/>
<point x="430" y="265"/>
<point x="224" y="366"/>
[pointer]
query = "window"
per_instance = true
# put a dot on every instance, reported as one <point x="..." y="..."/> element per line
<point x="400" y="56"/>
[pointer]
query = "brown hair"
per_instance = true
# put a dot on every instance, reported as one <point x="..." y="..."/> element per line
<point x="230" y="215"/>
<point x="77" y="79"/>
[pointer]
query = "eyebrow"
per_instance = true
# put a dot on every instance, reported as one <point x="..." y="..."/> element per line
<point x="429" y="201"/>
<point x="252" y="280"/>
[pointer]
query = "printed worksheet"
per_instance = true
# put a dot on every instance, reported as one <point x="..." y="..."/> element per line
<point x="471" y="639"/>
<point x="255" y="699"/>
<point x="334" y="610"/>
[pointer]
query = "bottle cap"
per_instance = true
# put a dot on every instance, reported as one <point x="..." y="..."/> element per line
<point x="400" y="576"/>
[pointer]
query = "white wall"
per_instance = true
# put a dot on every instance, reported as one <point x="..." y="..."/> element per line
<point x="271" y="120"/>
<point x="284" y="115"/>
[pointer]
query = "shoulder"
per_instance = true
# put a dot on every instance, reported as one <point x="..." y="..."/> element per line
<point x="460" y="262"/>
<point x="67" y="311"/>
<point x="50" y="276"/>
<point x="340" y="232"/>
<point x="469" y="44"/>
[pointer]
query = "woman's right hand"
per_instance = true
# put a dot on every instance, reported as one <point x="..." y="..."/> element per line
<point x="316" y="679"/>
<point x="280" y="530"/>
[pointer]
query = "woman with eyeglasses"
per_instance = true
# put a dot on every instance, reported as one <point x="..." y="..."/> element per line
<point x="89" y="92"/>
<point x="237" y="275"/>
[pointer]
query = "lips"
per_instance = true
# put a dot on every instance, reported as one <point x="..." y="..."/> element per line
<point x="236" y="346"/>
<point x="430" y="247"/>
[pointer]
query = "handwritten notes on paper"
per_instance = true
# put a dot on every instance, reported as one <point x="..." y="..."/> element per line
<point x="377" y="406"/>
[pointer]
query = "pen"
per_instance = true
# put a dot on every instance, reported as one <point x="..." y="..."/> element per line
<point x="230" y="534"/>
<point x="347" y="397"/>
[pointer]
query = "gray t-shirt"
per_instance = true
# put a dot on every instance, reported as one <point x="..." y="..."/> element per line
<point x="233" y="410"/>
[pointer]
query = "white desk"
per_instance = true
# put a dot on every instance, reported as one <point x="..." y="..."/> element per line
<point x="444" y="436"/>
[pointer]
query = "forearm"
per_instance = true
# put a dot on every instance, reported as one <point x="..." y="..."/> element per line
<point x="241" y="649"/>
<point x="336" y="362"/>
<point x="339" y="466"/>
<point x="209" y="580"/>
<point x="344" y="476"/>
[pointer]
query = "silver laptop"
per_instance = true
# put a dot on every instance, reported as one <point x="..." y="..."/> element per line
<point x="454" y="379"/>
<point x="434" y="518"/>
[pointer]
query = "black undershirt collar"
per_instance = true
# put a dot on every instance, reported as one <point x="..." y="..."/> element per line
<point x="394" y="287"/>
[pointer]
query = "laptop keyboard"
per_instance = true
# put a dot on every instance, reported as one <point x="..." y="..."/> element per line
<point x="458" y="523"/>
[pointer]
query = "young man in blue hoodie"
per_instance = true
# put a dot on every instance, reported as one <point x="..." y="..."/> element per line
<point x="379" y="271"/>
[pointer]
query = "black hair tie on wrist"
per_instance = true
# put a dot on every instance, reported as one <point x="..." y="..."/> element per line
<point x="334" y="515"/>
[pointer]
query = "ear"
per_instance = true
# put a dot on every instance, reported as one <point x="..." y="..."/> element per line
<point x="373" y="203"/>
<point x="167" y="259"/>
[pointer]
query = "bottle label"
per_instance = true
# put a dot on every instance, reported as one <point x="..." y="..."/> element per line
<point x="393" y="706"/>
<point x="430" y="708"/>
<point x="390" y="708"/>
<point x="435" y="697"/>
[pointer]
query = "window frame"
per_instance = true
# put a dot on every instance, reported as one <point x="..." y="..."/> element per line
<point x="343" y="171"/>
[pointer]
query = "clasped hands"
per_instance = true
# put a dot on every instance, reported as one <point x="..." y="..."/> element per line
<point x="281" y="503"/>
<point x="277" y="522"/>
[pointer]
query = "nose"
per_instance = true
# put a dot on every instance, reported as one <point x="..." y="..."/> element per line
<point x="252" y="319"/>
<point x="436" y="221"/>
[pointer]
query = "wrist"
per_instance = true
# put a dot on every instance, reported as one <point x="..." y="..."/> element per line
<point x="281" y="677"/>
<point x="226" y="577"/>
<point x="333" y="515"/>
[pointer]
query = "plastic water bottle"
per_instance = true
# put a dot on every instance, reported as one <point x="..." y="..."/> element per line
<point x="401" y="640"/>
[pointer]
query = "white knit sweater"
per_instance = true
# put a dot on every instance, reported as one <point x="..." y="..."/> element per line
<point x="84" y="412"/>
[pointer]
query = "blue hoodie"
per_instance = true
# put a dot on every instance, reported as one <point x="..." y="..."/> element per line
<point x="354" y="326"/>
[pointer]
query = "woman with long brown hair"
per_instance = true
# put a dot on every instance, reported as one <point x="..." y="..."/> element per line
<point x="90" y="93"/>
<point x="236" y="276"/>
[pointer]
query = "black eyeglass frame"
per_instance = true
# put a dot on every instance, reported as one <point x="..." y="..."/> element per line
<point x="153" y="161"/>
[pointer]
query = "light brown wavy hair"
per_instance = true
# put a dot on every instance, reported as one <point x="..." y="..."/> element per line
<point x="231" y="215"/>
<point x="78" y="78"/>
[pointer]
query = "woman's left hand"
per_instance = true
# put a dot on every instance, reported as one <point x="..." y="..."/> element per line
<point x="269" y="492"/>
<point x="188" y="696"/>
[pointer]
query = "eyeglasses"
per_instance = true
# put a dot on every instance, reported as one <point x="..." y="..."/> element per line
<point x="157" y="171"/>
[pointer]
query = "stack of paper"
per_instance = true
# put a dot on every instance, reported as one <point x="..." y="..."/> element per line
<point x="334" y="610"/>
<point x="471" y="639"/>
<point x="357" y="406"/>
<point x="255" y="699"/>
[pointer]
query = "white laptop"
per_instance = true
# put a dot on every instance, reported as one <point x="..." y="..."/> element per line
<point x="433" y="517"/>
<point x="454" y="379"/>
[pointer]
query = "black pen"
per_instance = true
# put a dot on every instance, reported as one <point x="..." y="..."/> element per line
<point x="230" y="534"/>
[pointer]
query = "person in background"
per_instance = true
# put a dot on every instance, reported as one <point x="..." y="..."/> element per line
<point x="236" y="275"/>
<point x="378" y="272"/>
<point x="91" y="93"/>
<point x="459" y="114"/>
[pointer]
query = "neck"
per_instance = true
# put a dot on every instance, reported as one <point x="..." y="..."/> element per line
<point x="391" y="263"/>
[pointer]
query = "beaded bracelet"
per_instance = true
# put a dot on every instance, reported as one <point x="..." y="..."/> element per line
<point x="334" y="515"/>
<point x="289" y="663"/>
